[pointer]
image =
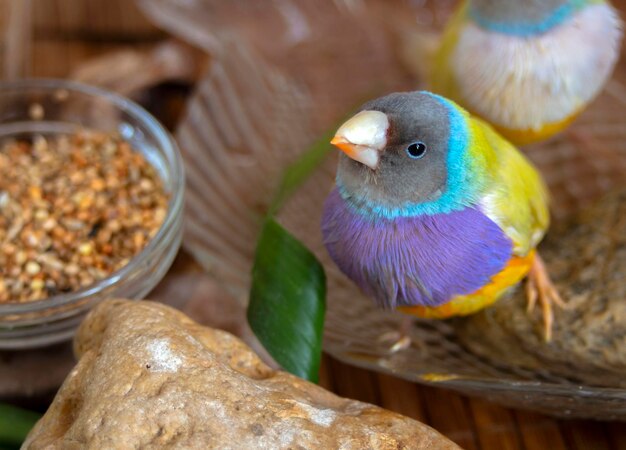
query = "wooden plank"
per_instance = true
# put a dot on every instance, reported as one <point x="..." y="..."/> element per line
<point x="617" y="435"/>
<point x="450" y="414"/>
<point x="539" y="431"/>
<point x="496" y="426"/>
<point x="355" y="383"/>
<point x="112" y="18"/>
<point x="15" y="38"/>
<point x="584" y="435"/>
<point x="326" y="378"/>
<point x="401" y="396"/>
<point x="53" y="58"/>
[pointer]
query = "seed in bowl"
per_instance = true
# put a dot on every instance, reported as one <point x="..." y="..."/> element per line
<point x="73" y="210"/>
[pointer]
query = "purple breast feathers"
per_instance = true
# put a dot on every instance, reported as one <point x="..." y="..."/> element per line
<point x="425" y="260"/>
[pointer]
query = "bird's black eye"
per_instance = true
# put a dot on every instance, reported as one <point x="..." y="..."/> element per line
<point x="416" y="150"/>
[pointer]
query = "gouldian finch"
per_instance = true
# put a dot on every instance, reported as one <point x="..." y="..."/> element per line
<point x="433" y="212"/>
<point x="528" y="67"/>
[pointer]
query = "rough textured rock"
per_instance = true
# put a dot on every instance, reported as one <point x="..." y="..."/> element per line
<point x="150" y="377"/>
<point x="587" y="260"/>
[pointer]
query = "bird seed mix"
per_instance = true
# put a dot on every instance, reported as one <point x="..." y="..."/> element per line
<point x="73" y="209"/>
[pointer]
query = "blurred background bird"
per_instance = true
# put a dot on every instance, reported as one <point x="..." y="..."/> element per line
<point x="433" y="212"/>
<point x="528" y="67"/>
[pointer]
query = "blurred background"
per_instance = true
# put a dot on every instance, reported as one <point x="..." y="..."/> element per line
<point x="117" y="44"/>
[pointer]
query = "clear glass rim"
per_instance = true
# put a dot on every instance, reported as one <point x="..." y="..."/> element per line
<point x="175" y="204"/>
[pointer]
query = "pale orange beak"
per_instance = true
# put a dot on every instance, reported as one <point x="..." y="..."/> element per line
<point x="363" y="137"/>
<point x="344" y="145"/>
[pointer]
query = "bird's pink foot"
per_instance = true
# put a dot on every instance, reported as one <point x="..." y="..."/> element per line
<point x="539" y="286"/>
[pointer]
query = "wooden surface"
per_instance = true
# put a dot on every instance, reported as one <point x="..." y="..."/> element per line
<point x="63" y="41"/>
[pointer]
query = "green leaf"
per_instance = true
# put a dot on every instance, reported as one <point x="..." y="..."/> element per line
<point x="288" y="294"/>
<point x="297" y="172"/>
<point x="15" y="424"/>
<point x="287" y="301"/>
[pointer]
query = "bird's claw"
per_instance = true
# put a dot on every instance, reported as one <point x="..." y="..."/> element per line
<point x="531" y="296"/>
<point x="540" y="287"/>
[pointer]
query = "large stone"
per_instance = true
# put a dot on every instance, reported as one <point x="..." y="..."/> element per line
<point x="150" y="377"/>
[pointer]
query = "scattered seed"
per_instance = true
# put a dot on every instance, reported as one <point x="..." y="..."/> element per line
<point x="49" y="224"/>
<point x="41" y="214"/>
<point x="61" y="95"/>
<point x="85" y="249"/>
<point x="20" y="257"/>
<point x="37" y="284"/>
<point x="32" y="268"/>
<point x="36" y="111"/>
<point x="35" y="192"/>
<point x="72" y="269"/>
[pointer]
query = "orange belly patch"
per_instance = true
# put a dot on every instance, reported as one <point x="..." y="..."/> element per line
<point x="462" y="305"/>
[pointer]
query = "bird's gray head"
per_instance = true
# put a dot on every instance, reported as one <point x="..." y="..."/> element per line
<point x="395" y="150"/>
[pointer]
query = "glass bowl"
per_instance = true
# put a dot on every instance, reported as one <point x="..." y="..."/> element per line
<point x="48" y="107"/>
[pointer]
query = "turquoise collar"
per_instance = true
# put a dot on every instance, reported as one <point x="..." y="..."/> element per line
<point x="559" y="15"/>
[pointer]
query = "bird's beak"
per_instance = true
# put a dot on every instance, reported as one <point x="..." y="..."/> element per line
<point x="363" y="137"/>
